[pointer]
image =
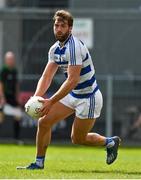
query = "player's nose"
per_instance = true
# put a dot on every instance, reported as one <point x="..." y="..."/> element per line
<point x="59" y="29"/>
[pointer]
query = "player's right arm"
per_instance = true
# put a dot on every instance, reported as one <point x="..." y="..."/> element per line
<point x="46" y="78"/>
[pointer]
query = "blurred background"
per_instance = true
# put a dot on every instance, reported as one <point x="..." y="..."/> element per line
<point x="112" y="31"/>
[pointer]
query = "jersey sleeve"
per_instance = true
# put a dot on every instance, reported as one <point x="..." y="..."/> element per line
<point x="75" y="53"/>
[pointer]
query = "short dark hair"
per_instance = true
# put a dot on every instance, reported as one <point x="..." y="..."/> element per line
<point x="64" y="15"/>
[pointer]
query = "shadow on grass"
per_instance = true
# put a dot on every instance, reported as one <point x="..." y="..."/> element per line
<point x="103" y="171"/>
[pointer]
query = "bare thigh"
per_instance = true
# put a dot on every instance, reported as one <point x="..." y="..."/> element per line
<point x="57" y="113"/>
<point x="81" y="127"/>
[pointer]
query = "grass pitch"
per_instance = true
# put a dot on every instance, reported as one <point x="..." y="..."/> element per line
<point x="66" y="162"/>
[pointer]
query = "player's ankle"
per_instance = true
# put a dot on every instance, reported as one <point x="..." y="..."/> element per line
<point x="40" y="161"/>
<point x="109" y="142"/>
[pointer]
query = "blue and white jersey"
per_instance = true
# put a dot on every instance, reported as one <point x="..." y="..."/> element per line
<point x="74" y="52"/>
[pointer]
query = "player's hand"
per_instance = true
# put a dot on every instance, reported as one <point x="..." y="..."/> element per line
<point x="47" y="104"/>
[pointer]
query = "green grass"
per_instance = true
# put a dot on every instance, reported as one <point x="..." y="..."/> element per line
<point x="70" y="162"/>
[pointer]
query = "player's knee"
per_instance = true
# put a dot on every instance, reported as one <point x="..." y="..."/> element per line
<point x="73" y="139"/>
<point x="43" y="124"/>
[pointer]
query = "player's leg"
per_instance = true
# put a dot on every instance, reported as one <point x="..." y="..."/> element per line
<point x="87" y="111"/>
<point x="81" y="133"/>
<point x="57" y="113"/>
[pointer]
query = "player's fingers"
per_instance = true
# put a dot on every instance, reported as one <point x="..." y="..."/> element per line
<point x="44" y="112"/>
<point x="41" y="100"/>
<point x="43" y="108"/>
<point x="41" y="112"/>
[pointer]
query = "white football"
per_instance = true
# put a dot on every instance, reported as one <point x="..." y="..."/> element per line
<point x="33" y="106"/>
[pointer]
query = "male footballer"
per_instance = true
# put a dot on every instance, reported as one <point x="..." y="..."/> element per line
<point x="79" y="94"/>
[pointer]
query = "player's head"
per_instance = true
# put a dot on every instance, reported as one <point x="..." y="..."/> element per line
<point x="63" y="23"/>
<point x="9" y="59"/>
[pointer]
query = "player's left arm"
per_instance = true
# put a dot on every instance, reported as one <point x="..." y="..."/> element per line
<point x="74" y="69"/>
<point x="69" y="84"/>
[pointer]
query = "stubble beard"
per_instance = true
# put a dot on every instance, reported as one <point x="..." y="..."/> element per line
<point x="62" y="38"/>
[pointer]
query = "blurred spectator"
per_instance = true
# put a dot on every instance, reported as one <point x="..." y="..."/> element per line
<point x="135" y="123"/>
<point x="9" y="92"/>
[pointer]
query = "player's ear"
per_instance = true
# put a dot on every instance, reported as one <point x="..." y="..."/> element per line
<point x="70" y="29"/>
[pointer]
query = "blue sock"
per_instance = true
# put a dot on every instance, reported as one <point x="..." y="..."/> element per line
<point x="40" y="160"/>
<point x="109" y="142"/>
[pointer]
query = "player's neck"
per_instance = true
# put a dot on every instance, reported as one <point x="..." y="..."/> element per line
<point x="64" y="42"/>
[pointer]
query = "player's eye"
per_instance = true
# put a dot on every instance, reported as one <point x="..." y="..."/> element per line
<point x="56" y="25"/>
